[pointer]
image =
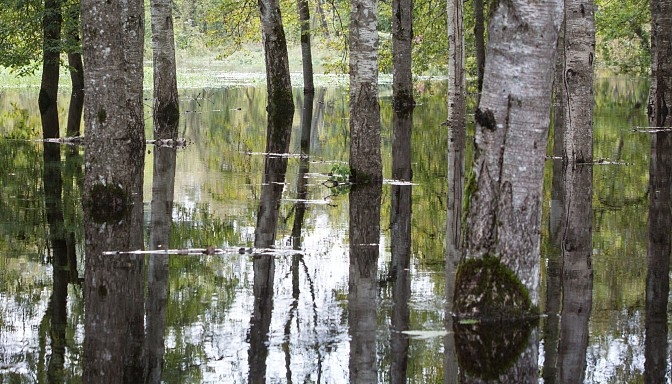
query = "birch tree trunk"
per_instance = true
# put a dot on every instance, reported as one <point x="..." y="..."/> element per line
<point x="278" y="81"/>
<point x="166" y="103"/>
<point x="504" y="217"/>
<point x="365" y="157"/>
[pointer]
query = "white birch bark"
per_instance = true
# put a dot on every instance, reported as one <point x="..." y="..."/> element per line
<point x="504" y="216"/>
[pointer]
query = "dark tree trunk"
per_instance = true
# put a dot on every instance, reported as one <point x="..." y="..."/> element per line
<point x="57" y="312"/>
<point x="479" y="41"/>
<point x="278" y="82"/>
<point x="400" y="226"/>
<point x="306" y="53"/>
<point x="166" y="102"/>
<point x="658" y="259"/>
<point x="365" y="157"/>
<point x="362" y="283"/>
<point x="76" y="73"/>
<point x="660" y="98"/>
<point x="275" y="168"/>
<point x="163" y="183"/>
<point x="51" y="50"/>
<point x="323" y="18"/>
<point x="402" y="38"/>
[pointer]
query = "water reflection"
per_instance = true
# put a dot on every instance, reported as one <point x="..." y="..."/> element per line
<point x="658" y="259"/>
<point x="278" y="135"/>
<point x="364" y="232"/>
<point x="216" y="201"/>
<point x="400" y="232"/>
<point x="114" y="284"/>
<point x="163" y="181"/>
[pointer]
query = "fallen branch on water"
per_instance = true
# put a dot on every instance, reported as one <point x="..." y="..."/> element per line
<point x="79" y="140"/>
<point x="205" y="251"/>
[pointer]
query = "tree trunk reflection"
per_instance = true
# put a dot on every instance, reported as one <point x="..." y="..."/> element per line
<point x="114" y="287"/>
<point x="157" y="275"/>
<point x="400" y="226"/>
<point x="278" y="136"/>
<point x="658" y="259"/>
<point x="362" y="285"/>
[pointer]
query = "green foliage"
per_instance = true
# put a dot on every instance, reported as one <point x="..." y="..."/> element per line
<point x="623" y="35"/>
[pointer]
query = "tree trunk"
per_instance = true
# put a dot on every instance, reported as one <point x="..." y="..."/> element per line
<point x="278" y="80"/>
<point x="457" y="131"/>
<point x="365" y="157"/>
<point x="364" y="231"/>
<point x="166" y="103"/>
<point x="479" y="41"/>
<point x="579" y="53"/>
<point x="76" y="72"/>
<point x="402" y="38"/>
<point x="306" y="54"/>
<point x="51" y="50"/>
<point x="661" y="67"/>
<point x="112" y="45"/>
<point x="658" y="259"/>
<point x="504" y="217"/>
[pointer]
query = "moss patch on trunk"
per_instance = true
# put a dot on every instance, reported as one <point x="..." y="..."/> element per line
<point x="488" y="290"/>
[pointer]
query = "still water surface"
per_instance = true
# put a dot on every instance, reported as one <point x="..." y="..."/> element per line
<point x="217" y="188"/>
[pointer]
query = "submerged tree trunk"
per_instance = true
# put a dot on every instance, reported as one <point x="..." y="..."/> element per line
<point x="306" y="53"/>
<point x="504" y="217"/>
<point x="365" y="157"/>
<point x="112" y="44"/>
<point x="278" y="81"/>
<point x="51" y="50"/>
<point x="402" y="37"/>
<point x="76" y="72"/>
<point x="166" y="103"/>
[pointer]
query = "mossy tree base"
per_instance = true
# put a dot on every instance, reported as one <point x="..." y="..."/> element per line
<point x="487" y="290"/>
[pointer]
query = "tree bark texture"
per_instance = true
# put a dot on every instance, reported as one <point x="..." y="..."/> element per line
<point x="51" y="50"/>
<point x="364" y="229"/>
<point x="306" y="48"/>
<point x="579" y="53"/>
<point x="76" y="106"/>
<point x="457" y="131"/>
<point x="658" y="259"/>
<point x="112" y="45"/>
<point x="402" y="39"/>
<point x="660" y="100"/>
<point x="166" y="102"/>
<point x="479" y="41"/>
<point x="278" y="80"/>
<point x="504" y="217"/>
<point x="365" y="156"/>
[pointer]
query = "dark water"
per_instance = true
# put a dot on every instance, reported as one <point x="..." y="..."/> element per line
<point x="216" y="331"/>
